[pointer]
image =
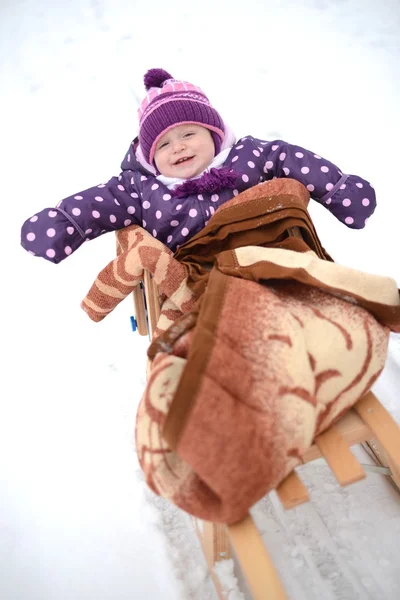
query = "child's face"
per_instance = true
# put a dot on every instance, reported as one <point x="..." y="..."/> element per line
<point x="184" y="151"/>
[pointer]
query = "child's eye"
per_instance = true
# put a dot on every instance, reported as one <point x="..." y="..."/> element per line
<point x="162" y="145"/>
<point x="188" y="134"/>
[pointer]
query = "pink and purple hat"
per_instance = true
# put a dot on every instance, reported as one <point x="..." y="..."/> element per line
<point x="171" y="102"/>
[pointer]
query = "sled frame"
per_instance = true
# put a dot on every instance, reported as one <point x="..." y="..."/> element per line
<point x="367" y="423"/>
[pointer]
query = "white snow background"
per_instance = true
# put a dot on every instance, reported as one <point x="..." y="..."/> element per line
<point x="76" y="520"/>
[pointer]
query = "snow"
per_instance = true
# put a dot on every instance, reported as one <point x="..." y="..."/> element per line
<point x="76" y="519"/>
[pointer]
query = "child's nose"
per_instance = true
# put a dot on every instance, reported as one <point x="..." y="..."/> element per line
<point x="178" y="145"/>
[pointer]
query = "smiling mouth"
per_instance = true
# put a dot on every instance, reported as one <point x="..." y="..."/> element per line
<point x="184" y="160"/>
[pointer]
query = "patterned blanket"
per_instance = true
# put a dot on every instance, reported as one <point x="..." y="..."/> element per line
<point x="263" y="342"/>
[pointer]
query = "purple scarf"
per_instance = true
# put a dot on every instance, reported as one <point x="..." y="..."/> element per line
<point x="211" y="181"/>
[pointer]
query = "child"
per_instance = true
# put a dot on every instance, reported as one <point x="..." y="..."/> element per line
<point x="182" y="166"/>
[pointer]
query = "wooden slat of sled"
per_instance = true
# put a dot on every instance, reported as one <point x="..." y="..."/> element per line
<point x="257" y="566"/>
<point x="206" y="538"/>
<point x="213" y="539"/>
<point x="152" y="301"/>
<point x="221" y="550"/>
<point x="146" y="324"/>
<point x="348" y="431"/>
<point x="140" y="310"/>
<point x="292" y="491"/>
<point x="339" y="457"/>
<point x="351" y="427"/>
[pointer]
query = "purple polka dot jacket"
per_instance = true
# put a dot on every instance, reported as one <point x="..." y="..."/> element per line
<point x="138" y="197"/>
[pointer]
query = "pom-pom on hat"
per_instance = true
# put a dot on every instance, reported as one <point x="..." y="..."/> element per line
<point x="171" y="102"/>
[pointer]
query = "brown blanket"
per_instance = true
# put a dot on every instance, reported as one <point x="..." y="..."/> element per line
<point x="276" y="341"/>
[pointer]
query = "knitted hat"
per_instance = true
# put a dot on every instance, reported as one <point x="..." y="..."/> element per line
<point x="170" y="102"/>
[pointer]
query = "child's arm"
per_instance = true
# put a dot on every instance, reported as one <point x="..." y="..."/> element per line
<point x="54" y="233"/>
<point x="348" y="197"/>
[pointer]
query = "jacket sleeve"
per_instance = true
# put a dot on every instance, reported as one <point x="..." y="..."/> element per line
<point x="54" y="233"/>
<point x="349" y="198"/>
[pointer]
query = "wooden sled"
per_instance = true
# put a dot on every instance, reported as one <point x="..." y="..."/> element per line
<point x="367" y="423"/>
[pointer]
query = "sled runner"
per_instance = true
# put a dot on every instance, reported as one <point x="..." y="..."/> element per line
<point x="255" y="276"/>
